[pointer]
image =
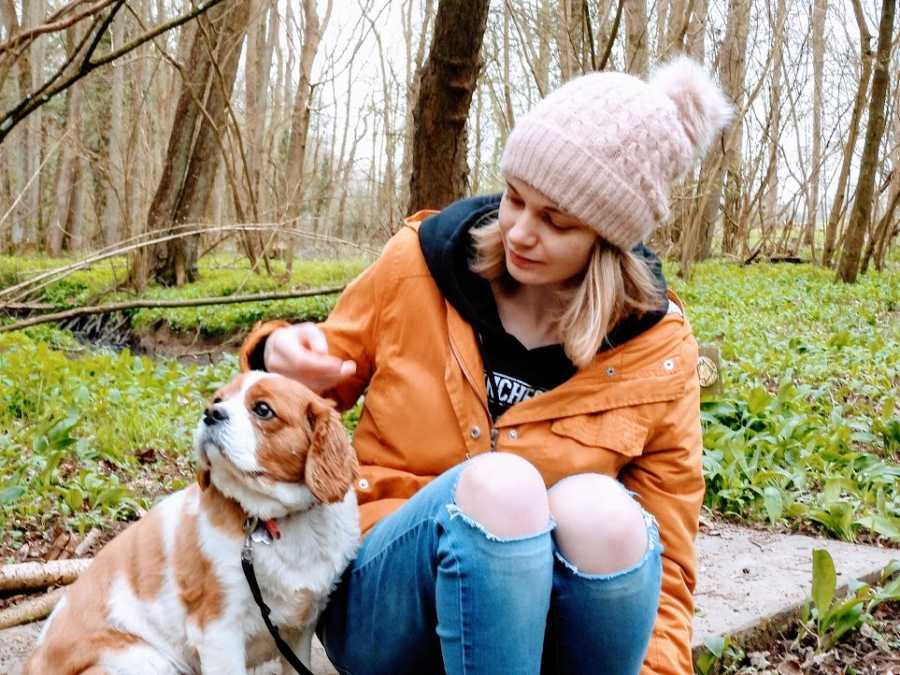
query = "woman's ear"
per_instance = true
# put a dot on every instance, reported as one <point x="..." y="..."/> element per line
<point x="331" y="466"/>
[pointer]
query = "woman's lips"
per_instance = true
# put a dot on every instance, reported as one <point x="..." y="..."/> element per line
<point x="521" y="261"/>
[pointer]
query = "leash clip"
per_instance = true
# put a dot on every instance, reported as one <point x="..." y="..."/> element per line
<point x="250" y="526"/>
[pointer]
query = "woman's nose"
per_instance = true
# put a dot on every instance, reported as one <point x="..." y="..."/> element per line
<point x="523" y="231"/>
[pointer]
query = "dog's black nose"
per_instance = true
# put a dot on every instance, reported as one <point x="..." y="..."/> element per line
<point x="214" y="414"/>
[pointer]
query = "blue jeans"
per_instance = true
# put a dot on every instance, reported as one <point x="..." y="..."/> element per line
<point x="431" y="591"/>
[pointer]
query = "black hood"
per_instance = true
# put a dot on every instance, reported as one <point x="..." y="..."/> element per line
<point x="446" y="245"/>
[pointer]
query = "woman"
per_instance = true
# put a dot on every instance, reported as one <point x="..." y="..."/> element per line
<point x="532" y="405"/>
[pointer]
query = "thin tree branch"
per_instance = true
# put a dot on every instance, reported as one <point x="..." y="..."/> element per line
<point x="143" y="304"/>
<point x="31" y="102"/>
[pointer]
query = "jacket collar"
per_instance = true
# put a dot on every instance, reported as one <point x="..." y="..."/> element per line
<point x="646" y="369"/>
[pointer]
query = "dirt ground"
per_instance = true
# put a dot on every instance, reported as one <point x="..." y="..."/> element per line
<point x="875" y="650"/>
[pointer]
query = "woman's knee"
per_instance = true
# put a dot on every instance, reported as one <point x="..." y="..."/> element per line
<point x="600" y="528"/>
<point x="505" y="494"/>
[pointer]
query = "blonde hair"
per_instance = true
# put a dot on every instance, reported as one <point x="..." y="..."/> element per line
<point x="615" y="284"/>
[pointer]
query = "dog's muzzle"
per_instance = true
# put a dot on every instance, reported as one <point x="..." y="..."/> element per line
<point x="214" y="415"/>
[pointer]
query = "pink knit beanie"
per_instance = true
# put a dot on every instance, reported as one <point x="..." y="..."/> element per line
<point x="606" y="147"/>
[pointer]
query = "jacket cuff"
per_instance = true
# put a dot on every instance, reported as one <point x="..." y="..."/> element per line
<point x="252" y="355"/>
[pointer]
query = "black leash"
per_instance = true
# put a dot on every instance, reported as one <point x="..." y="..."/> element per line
<point x="247" y="565"/>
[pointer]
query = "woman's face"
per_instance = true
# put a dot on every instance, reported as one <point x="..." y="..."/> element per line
<point x="544" y="245"/>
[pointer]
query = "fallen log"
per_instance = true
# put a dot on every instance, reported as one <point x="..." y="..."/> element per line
<point x="35" y="575"/>
<point x="34" y="609"/>
<point x="145" y="304"/>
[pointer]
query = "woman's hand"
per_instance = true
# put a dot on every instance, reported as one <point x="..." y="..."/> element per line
<point x="301" y="353"/>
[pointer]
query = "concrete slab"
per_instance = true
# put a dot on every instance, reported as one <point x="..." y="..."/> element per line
<point x="750" y="583"/>
<point x="753" y="582"/>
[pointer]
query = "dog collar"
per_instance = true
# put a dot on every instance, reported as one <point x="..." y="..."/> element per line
<point x="262" y="531"/>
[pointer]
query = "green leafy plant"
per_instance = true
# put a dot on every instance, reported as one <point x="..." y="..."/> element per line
<point x="829" y="617"/>
<point x="720" y="656"/>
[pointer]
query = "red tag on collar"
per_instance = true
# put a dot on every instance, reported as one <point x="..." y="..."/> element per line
<point x="271" y="528"/>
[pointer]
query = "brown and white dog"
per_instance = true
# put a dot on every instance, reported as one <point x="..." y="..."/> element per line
<point x="168" y="595"/>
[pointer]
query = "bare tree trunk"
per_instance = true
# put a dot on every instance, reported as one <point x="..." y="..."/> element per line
<point x="59" y="236"/>
<point x="662" y="20"/>
<point x="448" y="82"/>
<point x="36" y="9"/>
<point x="260" y="44"/>
<point x="192" y="160"/>
<point x="819" y="11"/>
<point x="541" y="61"/>
<point x="773" y="125"/>
<point x="637" y="59"/>
<point x="721" y="172"/>
<point x="676" y="28"/>
<point x="891" y="226"/>
<point x="696" y="33"/>
<point x="861" y="215"/>
<point x="881" y="231"/>
<point x="114" y="213"/>
<point x="837" y="207"/>
<point x="414" y="60"/>
<point x="26" y="154"/>
<point x="312" y="33"/>
<point x="568" y="38"/>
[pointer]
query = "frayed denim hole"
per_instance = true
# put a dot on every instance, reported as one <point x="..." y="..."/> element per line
<point x="455" y="512"/>
<point x="654" y="547"/>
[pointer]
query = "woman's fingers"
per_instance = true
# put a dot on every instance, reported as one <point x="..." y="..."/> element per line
<point x="301" y="352"/>
<point x="312" y="337"/>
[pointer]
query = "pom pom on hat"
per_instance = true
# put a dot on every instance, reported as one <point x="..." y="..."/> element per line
<point x="702" y="107"/>
<point x="606" y="146"/>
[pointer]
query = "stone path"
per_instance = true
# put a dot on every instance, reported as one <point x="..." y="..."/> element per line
<point x="750" y="583"/>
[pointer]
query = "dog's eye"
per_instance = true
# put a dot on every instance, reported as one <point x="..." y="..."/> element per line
<point x="217" y="399"/>
<point x="262" y="410"/>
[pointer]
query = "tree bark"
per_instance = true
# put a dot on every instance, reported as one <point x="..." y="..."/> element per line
<point x="892" y="227"/>
<point x="861" y="215"/>
<point x="33" y="609"/>
<point x="34" y="575"/>
<point x="721" y="172"/>
<point x="637" y="53"/>
<point x="819" y="11"/>
<point x="114" y="212"/>
<point x="312" y="34"/>
<point x="448" y="82"/>
<point x="414" y="60"/>
<point x="696" y="34"/>
<point x="773" y="123"/>
<point x="568" y="38"/>
<point x="837" y="206"/>
<point x="192" y="160"/>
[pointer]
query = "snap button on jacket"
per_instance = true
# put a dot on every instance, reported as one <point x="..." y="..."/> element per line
<point x="633" y="413"/>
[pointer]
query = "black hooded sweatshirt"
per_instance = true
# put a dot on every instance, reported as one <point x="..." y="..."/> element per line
<point x="516" y="372"/>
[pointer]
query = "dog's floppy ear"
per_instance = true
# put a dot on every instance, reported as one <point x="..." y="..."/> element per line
<point x="331" y="465"/>
<point x="203" y="477"/>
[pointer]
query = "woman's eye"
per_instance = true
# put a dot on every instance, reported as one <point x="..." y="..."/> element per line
<point x="262" y="410"/>
<point x="554" y="223"/>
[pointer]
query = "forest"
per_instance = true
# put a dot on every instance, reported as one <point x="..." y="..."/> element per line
<point x="174" y="171"/>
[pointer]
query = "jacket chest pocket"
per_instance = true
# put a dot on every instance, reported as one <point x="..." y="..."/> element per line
<point x="620" y="433"/>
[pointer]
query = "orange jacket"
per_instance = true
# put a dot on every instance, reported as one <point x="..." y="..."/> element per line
<point x="633" y="413"/>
